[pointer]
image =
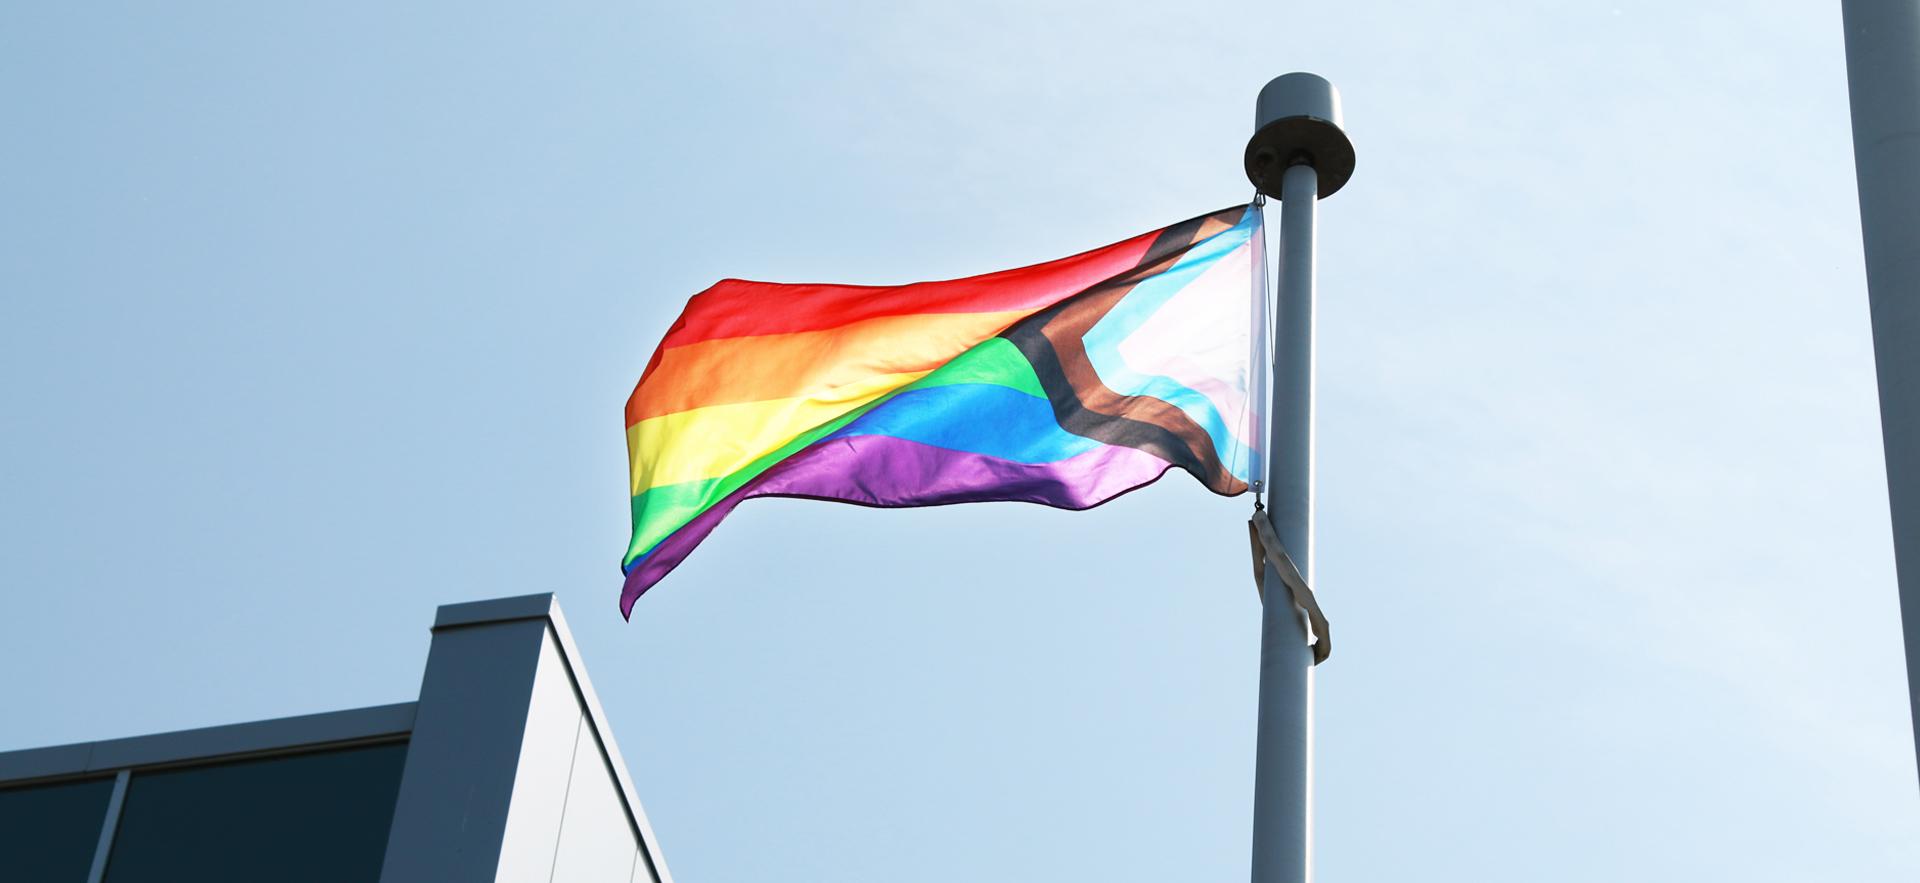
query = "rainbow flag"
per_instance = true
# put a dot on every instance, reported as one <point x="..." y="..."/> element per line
<point x="1067" y="383"/>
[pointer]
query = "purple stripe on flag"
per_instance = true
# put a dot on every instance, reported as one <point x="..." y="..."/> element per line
<point x="892" y="472"/>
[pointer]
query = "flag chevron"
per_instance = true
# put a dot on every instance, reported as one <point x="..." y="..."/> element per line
<point x="1066" y="384"/>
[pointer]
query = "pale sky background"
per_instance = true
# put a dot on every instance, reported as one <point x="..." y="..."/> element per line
<point x="317" y="316"/>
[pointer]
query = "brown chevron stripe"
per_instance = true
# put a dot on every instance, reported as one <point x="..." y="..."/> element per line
<point x="1052" y="342"/>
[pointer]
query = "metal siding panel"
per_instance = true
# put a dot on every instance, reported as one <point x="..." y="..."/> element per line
<point x="103" y="846"/>
<point x="208" y="742"/>
<point x="545" y="766"/>
<point x="459" y="779"/>
<point x="597" y="843"/>
<point x="1883" y="86"/>
<point x="452" y="824"/>
<point x="48" y="833"/>
<point x="494" y="610"/>
<point x="255" y="736"/>
<point x="39" y="763"/>
<point x="312" y="817"/>
<point x="650" y="855"/>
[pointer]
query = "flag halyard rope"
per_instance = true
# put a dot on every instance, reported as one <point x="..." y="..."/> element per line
<point x="1267" y="549"/>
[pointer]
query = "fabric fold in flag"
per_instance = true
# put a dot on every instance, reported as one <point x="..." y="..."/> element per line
<point x="1066" y="384"/>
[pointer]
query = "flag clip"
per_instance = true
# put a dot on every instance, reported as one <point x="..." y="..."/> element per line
<point x="1267" y="549"/>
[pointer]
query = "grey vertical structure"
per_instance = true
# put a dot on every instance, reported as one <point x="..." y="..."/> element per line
<point x="505" y="769"/>
<point x="305" y="798"/>
<point x="1298" y="154"/>
<point x="1883" y="83"/>
<point x="513" y="774"/>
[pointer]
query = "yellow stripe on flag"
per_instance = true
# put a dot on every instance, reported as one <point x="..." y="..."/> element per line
<point x="715" y="441"/>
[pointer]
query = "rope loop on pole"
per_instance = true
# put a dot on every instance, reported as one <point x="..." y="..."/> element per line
<point x="1267" y="549"/>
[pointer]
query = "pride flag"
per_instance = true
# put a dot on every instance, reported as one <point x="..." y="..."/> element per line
<point x="1067" y="383"/>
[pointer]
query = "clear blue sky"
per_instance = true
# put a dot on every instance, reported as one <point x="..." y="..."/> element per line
<point x="314" y="317"/>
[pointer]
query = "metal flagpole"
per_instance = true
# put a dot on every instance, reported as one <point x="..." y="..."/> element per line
<point x="1298" y="154"/>
<point x="1883" y="83"/>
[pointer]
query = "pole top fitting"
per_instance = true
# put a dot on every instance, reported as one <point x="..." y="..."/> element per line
<point x="1296" y="121"/>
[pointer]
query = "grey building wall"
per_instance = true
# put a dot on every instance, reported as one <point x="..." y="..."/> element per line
<point x="504" y="770"/>
<point x="511" y="732"/>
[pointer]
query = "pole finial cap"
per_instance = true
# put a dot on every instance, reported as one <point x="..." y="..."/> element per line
<point x="1297" y="120"/>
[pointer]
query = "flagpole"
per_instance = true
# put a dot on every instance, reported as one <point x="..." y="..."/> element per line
<point x="1298" y="154"/>
<point x="1883" y="86"/>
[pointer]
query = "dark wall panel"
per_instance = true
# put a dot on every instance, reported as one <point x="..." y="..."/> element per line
<point x="306" y="817"/>
<point x="49" y="832"/>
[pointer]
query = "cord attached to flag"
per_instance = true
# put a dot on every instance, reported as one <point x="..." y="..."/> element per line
<point x="1267" y="549"/>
